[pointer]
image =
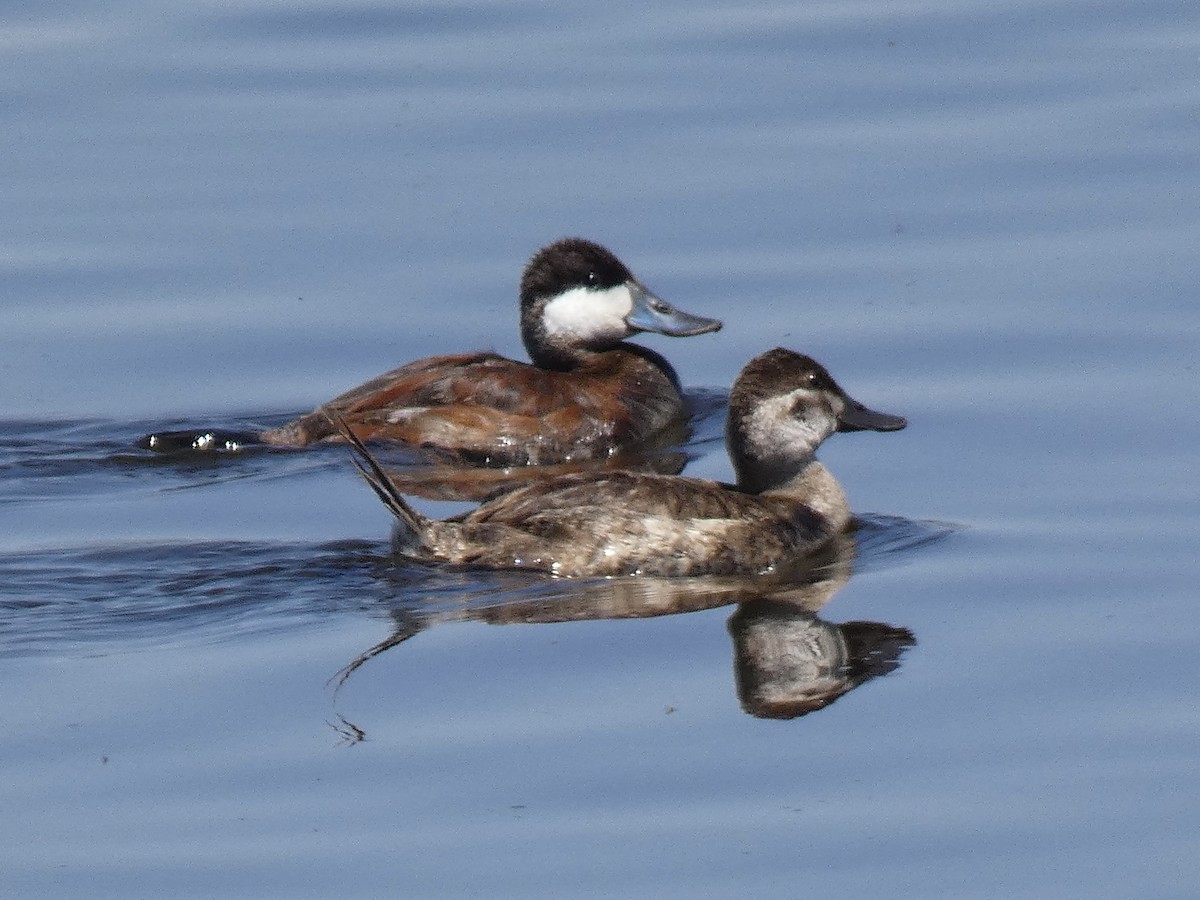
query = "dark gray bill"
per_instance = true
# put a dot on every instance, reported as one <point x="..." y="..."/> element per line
<point x="856" y="417"/>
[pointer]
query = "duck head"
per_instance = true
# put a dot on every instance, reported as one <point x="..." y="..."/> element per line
<point x="782" y="406"/>
<point x="577" y="297"/>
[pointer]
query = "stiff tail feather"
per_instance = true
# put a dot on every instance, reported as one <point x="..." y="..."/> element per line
<point x="410" y="522"/>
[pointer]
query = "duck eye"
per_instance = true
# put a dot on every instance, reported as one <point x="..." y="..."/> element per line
<point x="593" y="278"/>
<point x="812" y="379"/>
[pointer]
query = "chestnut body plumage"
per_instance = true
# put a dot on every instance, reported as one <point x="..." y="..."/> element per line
<point x="586" y="394"/>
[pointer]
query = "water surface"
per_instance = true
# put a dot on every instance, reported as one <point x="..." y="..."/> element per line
<point x="982" y="218"/>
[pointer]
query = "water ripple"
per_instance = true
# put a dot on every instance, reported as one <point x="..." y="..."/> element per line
<point x="107" y="598"/>
<point x="115" y="597"/>
<point x="125" y="592"/>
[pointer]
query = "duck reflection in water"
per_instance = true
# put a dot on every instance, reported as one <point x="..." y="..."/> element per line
<point x="788" y="661"/>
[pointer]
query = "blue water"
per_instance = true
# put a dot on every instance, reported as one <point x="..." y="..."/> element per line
<point x="982" y="217"/>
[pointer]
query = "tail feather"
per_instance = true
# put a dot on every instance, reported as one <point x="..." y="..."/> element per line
<point x="411" y="522"/>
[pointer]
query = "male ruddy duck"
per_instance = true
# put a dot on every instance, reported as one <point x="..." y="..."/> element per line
<point x="586" y="395"/>
<point x="784" y="505"/>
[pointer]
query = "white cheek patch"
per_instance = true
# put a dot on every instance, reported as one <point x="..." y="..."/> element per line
<point x="583" y="314"/>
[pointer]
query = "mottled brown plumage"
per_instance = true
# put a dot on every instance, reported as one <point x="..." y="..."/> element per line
<point x="785" y="504"/>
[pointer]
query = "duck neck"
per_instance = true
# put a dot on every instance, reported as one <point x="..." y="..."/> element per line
<point x="554" y="358"/>
<point x="546" y="353"/>
<point x="810" y="483"/>
<point x="566" y="358"/>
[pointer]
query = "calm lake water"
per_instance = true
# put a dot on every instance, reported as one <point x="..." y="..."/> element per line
<point x="983" y="217"/>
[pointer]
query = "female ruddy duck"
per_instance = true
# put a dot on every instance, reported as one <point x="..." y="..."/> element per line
<point x="586" y="395"/>
<point x="784" y="505"/>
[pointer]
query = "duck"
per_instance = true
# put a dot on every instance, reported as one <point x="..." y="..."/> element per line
<point x="585" y="394"/>
<point x="783" y="506"/>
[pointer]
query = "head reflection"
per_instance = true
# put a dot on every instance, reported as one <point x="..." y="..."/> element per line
<point x="789" y="662"/>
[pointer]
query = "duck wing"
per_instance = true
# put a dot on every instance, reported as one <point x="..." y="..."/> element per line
<point x="625" y="523"/>
<point x="485" y="409"/>
<point x="586" y="499"/>
<point x="483" y="379"/>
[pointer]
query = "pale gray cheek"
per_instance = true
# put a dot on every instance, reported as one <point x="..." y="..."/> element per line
<point x="774" y="423"/>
